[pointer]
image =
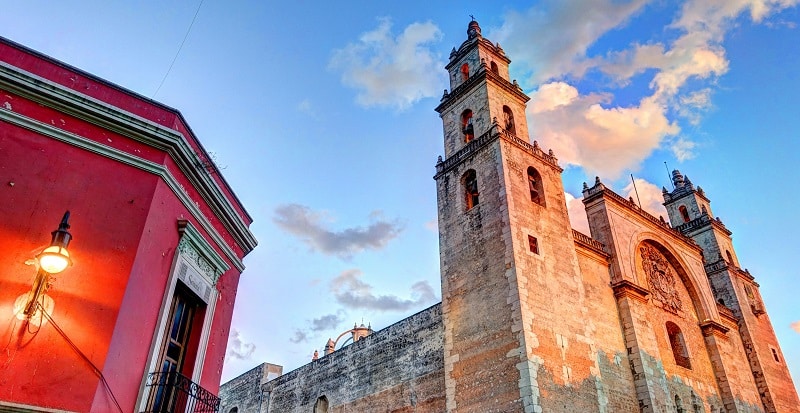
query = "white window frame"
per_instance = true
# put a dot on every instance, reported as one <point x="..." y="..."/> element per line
<point x="198" y="266"/>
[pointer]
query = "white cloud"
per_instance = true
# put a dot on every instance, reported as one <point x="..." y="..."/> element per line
<point x="238" y="347"/>
<point x="351" y="292"/>
<point x="795" y="326"/>
<point x="550" y="39"/>
<point x="306" y="224"/>
<point x="604" y="141"/>
<point x="589" y="130"/>
<point x="693" y="104"/>
<point x="392" y="71"/>
<point x="683" y="149"/>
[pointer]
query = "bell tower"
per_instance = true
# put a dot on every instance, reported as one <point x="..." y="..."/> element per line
<point x="735" y="290"/>
<point x="506" y="247"/>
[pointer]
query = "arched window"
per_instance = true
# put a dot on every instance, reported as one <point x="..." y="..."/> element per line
<point x="508" y="120"/>
<point x="684" y="213"/>
<point x="730" y="257"/>
<point x="535" y="186"/>
<point x="678" y="345"/>
<point x="494" y="68"/>
<point x="466" y="125"/>
<point x="234" y="410"/>
<point x="321" y="406"/>
<point x="464" y="72"/>
<point x="470" y="189"/>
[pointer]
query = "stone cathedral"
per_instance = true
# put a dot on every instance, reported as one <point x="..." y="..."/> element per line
<point x="642" y="315"/>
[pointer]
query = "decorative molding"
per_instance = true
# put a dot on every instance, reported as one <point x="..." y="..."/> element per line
<point x="51" y="94"/>
<point x="711" y="327"/>
<point x="200" y="253"/>
<point x="127" y="159"/>
<point x="628" y="289"/>
<point x="661" y="279"/>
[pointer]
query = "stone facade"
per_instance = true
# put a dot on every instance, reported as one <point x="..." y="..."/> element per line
<point x="397" y="369"/>
<point x="643" y="316"/>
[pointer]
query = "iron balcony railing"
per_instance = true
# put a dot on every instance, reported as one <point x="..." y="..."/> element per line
<point x="172" y="392"/>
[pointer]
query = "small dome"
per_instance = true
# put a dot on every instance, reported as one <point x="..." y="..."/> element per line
<point x="473" y="29"/>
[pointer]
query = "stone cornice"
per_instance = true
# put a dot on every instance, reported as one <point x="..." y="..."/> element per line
<point x="701" y="223"/>
<point x="625" y="288"/>
<point x="680" y="193"/>
<point x="482" y="75"/>
<point x="726" y="313"/>
<point x="466" y="152"/>
<point x="94" y="111"/>
<point x="722" y="265"/>
<point x="127" y="159"/>
<point x="711" y="327"/>
<point x="489" y="136"/>
<point x="467" y="45"/>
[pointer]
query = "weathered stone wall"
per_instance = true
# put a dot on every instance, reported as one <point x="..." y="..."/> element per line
<point x="243" y="394"/>
<point x="479" y="302"/>
<point x="397" y="369"/>
<point x="683" y="296"/>
<point x="612" y="375"/>
<point x="573" y="342"/>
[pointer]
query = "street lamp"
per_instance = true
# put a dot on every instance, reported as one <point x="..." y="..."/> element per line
<point x="52" y="260"/>
<point x="55" y="258"/>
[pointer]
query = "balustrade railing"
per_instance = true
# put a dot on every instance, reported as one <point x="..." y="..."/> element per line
<point x="172" y="392"/>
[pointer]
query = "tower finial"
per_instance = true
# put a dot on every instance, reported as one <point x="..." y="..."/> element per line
<point x="473" y="29"/>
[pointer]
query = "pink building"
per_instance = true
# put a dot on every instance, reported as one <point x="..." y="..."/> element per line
<point x="141" y="316"/>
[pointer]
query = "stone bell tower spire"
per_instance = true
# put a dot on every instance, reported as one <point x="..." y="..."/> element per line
<point x="735" y="290"/>
<point x="506" y="244"/>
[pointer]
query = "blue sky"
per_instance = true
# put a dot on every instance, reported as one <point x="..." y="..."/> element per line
<point x="321" y="116"/>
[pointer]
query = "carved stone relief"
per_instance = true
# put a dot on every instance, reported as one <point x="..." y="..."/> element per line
<point x="661" y="278"/>
<point x="188" y="251"/>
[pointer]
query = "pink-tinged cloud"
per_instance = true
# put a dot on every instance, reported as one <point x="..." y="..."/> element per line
<point x="550" y="41"/>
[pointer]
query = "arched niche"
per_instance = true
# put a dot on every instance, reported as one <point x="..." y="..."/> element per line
<point x="702" y="301"/>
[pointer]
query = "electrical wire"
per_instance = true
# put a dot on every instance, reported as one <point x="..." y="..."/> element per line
<point x="179" y="49"/>
<point x="80" y="353"/>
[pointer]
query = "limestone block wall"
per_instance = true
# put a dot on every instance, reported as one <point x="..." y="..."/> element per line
<point x="573" y="343"/>
<point x="672" y="290"/>
<point x="482" y="349"/>
<point x="611" y="373"/>
<point x="397" y="369"/>
<point x="243" y="394"/>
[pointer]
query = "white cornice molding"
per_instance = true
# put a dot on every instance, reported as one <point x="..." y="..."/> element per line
<point x="109" y="117"/>
<point x="127" y="159"/>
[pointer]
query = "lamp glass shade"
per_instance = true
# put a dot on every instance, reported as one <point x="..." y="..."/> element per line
<point x="44" y="301"/>
<point x="54" y="259"/>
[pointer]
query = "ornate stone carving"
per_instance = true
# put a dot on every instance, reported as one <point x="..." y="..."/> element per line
<point x="661" y="278"/>
<point x="188" y="251"/>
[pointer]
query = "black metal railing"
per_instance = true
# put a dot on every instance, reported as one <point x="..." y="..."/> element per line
<point x="172" y="392"/>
